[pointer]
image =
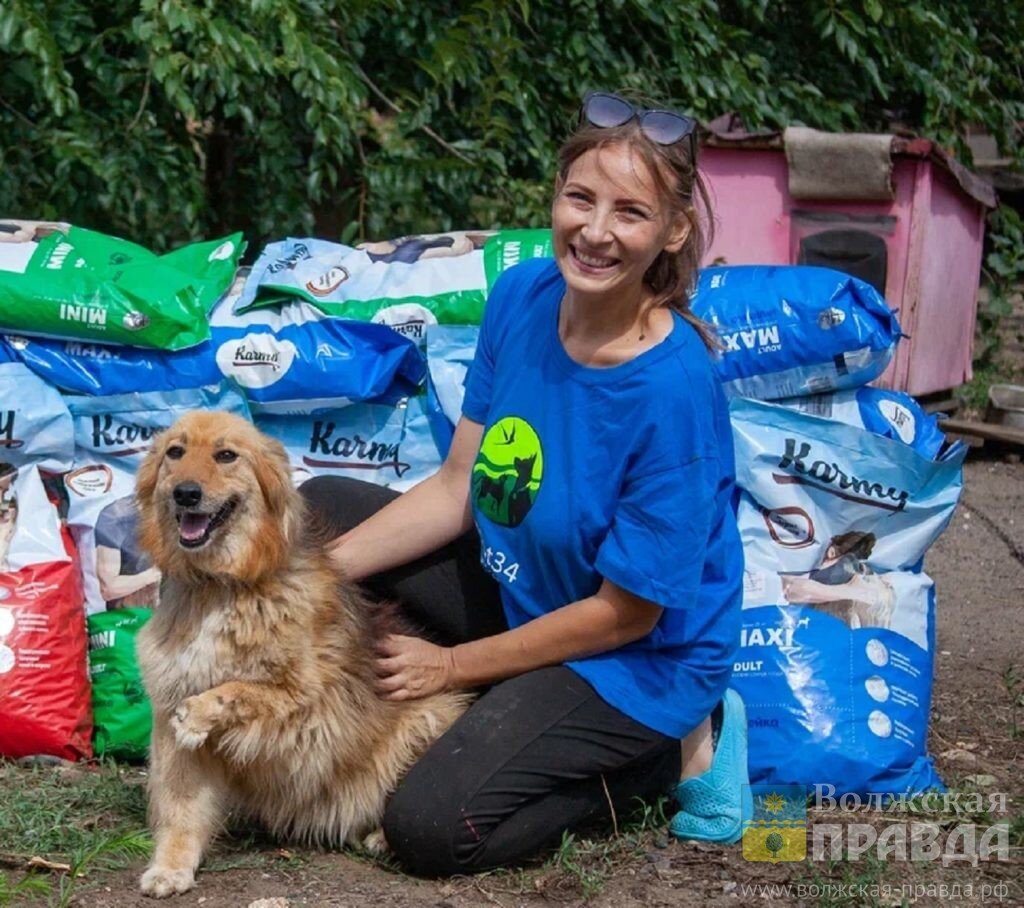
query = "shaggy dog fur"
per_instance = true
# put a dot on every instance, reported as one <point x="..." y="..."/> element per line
<point x="259" y="659"/>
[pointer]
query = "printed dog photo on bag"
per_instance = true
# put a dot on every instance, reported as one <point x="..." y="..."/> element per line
<point x="411" y="249"/>
<point x="844" y="585"/>
<point x="259" y="662"/>
<point x="125" y="572"/>
<point x="16" y="231"/>
<point x="8" y="512"/>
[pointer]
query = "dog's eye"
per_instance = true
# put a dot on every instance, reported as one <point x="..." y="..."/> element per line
<point x="175" y="452"/>
<point x="225" y="457"/>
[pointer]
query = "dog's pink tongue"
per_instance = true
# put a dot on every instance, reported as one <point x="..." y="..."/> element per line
<point x="193" y="526"/>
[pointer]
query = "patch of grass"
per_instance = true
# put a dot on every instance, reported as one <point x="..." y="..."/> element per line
<point x="585" y="865"/>
<point x="32" y="885"/>
<point x="108" y="854"/>
<point x="834" y="877"/>
<point x="53" y="811"/>
<point x="974" y="394"/>
<point x="79" y="817"/>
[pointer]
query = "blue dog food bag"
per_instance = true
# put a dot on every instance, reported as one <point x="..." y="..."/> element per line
<point x="892" y="414"/>
<point x="81" y="367"/>
<point x="384" y="443"/>
<point x="838" y="639"/>
<point x="296" y="359"/>
<point x="793" y="330"/>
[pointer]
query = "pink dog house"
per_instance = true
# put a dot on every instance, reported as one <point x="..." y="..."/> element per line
<point x="921" y="243"/>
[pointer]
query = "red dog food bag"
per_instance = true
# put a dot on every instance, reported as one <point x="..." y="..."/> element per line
<point x="44" y="682"/>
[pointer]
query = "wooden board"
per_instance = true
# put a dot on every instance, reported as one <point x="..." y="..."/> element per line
<point x="988" y="431"/>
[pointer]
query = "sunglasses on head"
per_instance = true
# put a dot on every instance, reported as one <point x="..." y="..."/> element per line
<point x="663" y="127"/>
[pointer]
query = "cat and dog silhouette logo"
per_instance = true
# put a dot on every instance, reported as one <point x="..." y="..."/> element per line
<point x="508" y="471"/>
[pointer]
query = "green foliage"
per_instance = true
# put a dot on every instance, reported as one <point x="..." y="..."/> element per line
<point x="166" y="120"/>
<point x="1004" y="273"/>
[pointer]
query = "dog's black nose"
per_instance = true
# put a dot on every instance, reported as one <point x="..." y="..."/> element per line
<point x="188" y="494"/>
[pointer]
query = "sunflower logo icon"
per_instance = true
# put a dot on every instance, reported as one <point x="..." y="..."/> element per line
<point x="777" y="828"/>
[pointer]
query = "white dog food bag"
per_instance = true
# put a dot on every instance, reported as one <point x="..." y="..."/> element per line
<point x="44" y="686"/>
<point x="408" y="283"/>
<point x="35" y="439"/>
<point x="390" y="445"/>
<point x="837" y="646"/>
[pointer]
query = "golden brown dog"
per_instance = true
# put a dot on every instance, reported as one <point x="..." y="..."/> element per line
<point x="259" y="659"/>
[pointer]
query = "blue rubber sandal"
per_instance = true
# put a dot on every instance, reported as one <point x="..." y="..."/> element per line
<point x="712" y="806"/>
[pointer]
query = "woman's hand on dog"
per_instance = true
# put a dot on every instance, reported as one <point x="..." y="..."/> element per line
<point x="409" y="668"/>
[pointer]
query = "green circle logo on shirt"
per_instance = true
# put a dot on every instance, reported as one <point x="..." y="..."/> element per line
<point x="508" y="471"/>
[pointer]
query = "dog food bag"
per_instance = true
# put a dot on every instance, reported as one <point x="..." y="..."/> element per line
<point x="296" y="359"/>
<point x="44" y="687"/>
<point x="84" y="285"/>
<point x="890" y="413"/>
<point x="81" y="367"/>
<point x="122" y="715"/>
<point x="44" y="683"/>
<point x="390" y="445"/>
<point x="838" y="638"/>
<point x="793" y="330"/>
<point x="450" y="351"/>
<point x="35" y="439"/>
<point x="112" y="435"/>
<point x="408" y="283"/>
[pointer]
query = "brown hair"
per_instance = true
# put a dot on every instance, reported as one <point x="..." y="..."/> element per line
<point x="860" y="545"/>
<point x="672" y="274"/>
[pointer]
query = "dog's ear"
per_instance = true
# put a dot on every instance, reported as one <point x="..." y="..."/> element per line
<point x="149" y="470"/>
<point x="274" y="475"/>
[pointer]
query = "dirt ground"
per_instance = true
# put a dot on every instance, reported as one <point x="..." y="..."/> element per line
<point x="978" y="566"/>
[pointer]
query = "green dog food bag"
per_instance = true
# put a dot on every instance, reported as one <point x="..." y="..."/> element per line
<point x="83" y="285"/>
<point x="122" y="715"/>
<point x="508" y="248"/>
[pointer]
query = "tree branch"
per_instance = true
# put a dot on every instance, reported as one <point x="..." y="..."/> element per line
<point x="379" y="94"/>
<point x="142" y="103"/>
<point x="394" y="107"/>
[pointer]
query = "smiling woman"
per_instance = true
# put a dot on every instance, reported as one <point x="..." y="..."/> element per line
<point x="597" y="603"/>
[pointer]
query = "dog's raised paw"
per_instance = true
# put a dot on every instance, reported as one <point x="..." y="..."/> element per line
<point x="191" y="723"/>
<point x="161" y="882"/>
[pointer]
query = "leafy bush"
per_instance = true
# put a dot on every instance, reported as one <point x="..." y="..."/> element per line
<point x="164" y="120"/>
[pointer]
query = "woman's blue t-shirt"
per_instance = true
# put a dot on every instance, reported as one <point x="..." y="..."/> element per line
<point x="624" y="473"/>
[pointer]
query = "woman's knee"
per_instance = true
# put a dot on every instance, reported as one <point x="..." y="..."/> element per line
<point x="422" y="831"/>
<point x="338" y="503"/>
